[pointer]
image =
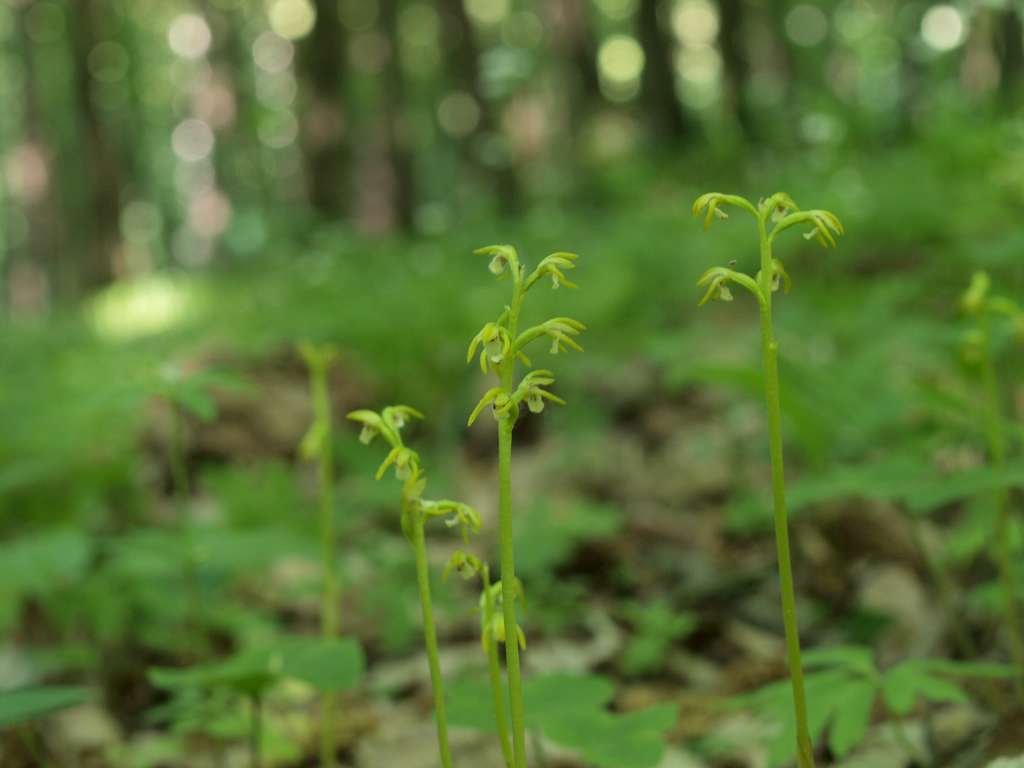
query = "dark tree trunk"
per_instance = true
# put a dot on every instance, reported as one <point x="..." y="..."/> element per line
<point x="100" y="162"/>
<point x="399" y="155"/>
<point x="658" y="87"/>
<point x="1010" y="50"/>
<point x="736" y="63"/>
<point x="573" y="42"/>
<point x="463" y="54"/>
<point x="35" y="272"/>
<point x="321" y="65"/>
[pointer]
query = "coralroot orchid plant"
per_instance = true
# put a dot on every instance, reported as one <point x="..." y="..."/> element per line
<point x="981" y="307"/>
<point x="492" y="632"/>
<point x="501" y="345"/>
<point x="416" y="511"/>
<point x="318" y="446"/>
<point x="773" y="215"/>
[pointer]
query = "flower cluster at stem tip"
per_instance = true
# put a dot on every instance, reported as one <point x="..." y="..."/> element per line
<point x="492" y="619"/>
<point x="415" y="509"/>
<point x="499" y="344"/>
<point x="774" y="215"/>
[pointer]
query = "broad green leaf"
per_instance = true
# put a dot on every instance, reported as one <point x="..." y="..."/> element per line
<point x="852" y="717"/>
<point x="854" y="657"/>
<point x="25" y="704"/>
<point x="572" y="711"/>
<point x="898" y="688"/>
<point x="327" y="664"/>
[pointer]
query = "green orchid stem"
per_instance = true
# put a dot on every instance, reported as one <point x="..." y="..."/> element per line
<point x="329" y="618"/>
<point x="494" y="670"/>
<point x="508" y="591"/>
<point x="769" y="348"/>
<point x="430" y="640"/>
<point x="997" y="455"/>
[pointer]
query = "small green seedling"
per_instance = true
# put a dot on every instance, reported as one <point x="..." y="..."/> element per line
<point x="501" y="345"/>
<point x="981" y="308"/>
<point x="207" y="693"/>
<point x="844" y="685"/>
<point x="318" y="446"/>
<point x="416" y="511"/>
<point x="773" y="215"/>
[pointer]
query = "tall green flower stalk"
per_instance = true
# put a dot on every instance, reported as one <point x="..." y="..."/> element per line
<point x="773" y="216"/>
<point x="318" y="445"/>
<point x="492" y="632"/>
<point x="501" y="345"/>
<point x="981" y="307"/>
<point x="416" y="511"/>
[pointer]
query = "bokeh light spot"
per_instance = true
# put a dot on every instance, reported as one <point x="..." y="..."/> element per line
<point x="458" y="114"/>
<point x="806" y="25"/>
<point x="620" y="59"/>
<point x="108" y="62"/>
<point x="292" y="19"/>
<point x="189" y="36"/>
<point x="488" y="11"/>
<point x="695" y="23"/>
<point x="942" y="27"/>
<point x="192" y="140"/>
<point x="272" y="53"/>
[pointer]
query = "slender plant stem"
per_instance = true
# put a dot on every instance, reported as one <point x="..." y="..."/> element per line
<point x="329" y="619"/>
<point x="505" y="535"/>
<point x="494" y="670"/>
<point x="769" y="348"/>
<point x="256" y="731"/>
<point x="508" y="591"/>
<point x="430" y="640"/>
<point x="997" y="455"/>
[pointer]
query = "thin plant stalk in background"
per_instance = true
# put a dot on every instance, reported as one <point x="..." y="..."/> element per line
<point x="416" y="511"/>
<point x="501" y="345"/>
<point x="773" y="215"/>
<point x="979" y="305"/>
<point x="318" y="445"/>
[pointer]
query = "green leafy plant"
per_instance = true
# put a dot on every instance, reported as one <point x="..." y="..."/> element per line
<point x="207" y="693"/>
<point x="656" y="626"/>
<point x="843" y="686"/>
<point x="501" y="345"/>
<point x="981" y="307"/>
<point x="416" y="511"/>
<point x="189" y="393"/>
<point x="24" y="705"/>
<point x="573" y="712"/>
<point x="318" y="446"/>
<point x="773" y="215"/>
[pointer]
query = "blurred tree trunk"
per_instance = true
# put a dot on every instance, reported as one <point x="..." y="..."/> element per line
<point x="399" y="156"/>
<point x="30" y="171"/>
<point x="463" y="56"/>
<point x="658" y="87"/>
<point x="100" y="162"/>
<point x="1010" y="52"/>
<point x="736" y="63"/>
<point x="573" y="41"/>
<point x="321" y="69"/>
